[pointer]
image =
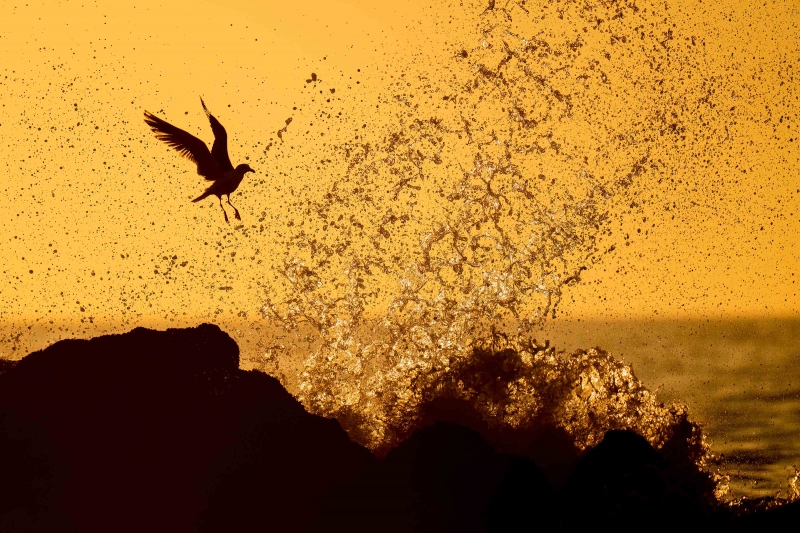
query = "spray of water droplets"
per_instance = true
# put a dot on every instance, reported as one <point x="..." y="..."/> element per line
<point x="445" y="231"/>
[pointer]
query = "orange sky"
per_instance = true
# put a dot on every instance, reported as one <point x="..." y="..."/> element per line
<point x="96" y="213"/>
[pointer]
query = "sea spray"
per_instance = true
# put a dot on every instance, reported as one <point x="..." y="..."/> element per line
<point x="483" y="187"/>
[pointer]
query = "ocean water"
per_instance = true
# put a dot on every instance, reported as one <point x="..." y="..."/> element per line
<point x="739" y="378"/>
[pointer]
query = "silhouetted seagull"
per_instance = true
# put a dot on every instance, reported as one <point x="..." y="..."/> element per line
<point x="214" y="166"/>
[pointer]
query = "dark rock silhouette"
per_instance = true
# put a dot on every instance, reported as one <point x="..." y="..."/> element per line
<point x="161" y="431"/>
<point x="780" y="518"/>
<point x="446" y="477"/>
<point x="6" y="365"/>
<point x="623" y="483"/>
<point x="547" y="446"/>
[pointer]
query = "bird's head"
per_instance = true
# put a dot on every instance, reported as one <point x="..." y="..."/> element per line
<point x="244" y="169"/>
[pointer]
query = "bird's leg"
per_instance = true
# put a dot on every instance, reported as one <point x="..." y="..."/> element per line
<point x="235" y="211"/>
<point x="223" y="210"/>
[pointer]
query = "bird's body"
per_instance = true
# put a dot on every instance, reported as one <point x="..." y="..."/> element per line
<point x="226" y="184"/>
<point x="214" y="166"/>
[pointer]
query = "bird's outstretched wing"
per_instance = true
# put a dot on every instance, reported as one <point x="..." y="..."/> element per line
<point x="186" y="144"/>
<point x="220" y="148"/>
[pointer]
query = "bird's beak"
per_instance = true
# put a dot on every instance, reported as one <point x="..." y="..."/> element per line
<point x="253" y="171"/>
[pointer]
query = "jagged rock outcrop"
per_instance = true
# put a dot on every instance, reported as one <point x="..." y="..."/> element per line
<point x="156" y="430"/>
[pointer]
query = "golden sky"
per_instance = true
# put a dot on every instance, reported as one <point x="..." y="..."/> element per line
<point x="96" y="213"/>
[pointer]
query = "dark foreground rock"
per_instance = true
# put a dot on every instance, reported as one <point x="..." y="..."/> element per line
<point x="623" y="483"/>
<point x="161" y="431"/>
<point x="784" y="517"/>
<point x="445" y="478"/>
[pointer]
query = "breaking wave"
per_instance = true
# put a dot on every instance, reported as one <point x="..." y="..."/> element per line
<point x="438" y="237"/>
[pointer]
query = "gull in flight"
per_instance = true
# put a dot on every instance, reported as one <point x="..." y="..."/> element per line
<point x="214" y="166"/>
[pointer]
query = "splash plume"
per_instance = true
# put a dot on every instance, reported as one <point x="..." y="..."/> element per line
<point x="462" y="222"/>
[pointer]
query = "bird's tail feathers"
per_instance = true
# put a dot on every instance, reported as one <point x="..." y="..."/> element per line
<point x="207" y="193"/>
